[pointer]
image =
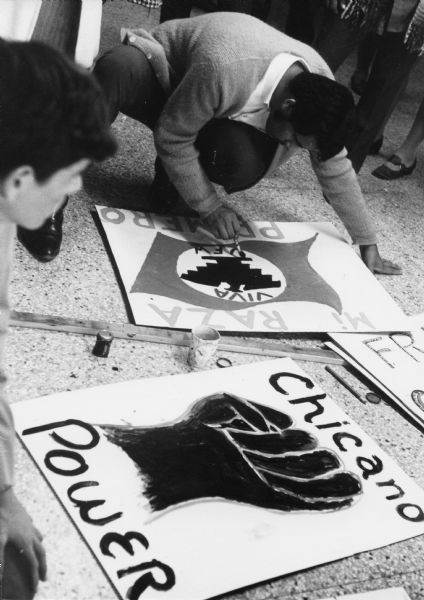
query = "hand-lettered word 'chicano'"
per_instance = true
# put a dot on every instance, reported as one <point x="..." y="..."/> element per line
<point x="370" y="466"/>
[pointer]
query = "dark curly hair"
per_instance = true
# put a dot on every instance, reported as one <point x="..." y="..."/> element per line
<point x="324" y="109"/>
<point x="52" y="112"/>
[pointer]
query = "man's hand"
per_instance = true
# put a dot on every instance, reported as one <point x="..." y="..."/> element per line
<point x="336" y="6"/>
<point x="223" y="222"/>
<point x="371" y="257"/>
<point x="23" y="542"/>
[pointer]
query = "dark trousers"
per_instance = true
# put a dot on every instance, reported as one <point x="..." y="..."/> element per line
<point x="180" y="9"/>
<point x="303" y="20"/>
<point x="175" y="9"/>
<point x="233" y="154"/>
<point x="16" y="583"/>
<point x="387" y="79"/>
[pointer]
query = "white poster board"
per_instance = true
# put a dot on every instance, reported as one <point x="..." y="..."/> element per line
<point x="394" y="362"/>
<point x="289" y="277"/>
<point x="248" y="472"/>
<point x="387" y="594"/>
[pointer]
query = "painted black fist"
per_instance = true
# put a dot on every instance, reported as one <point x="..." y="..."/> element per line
<point x="231" y="448"/>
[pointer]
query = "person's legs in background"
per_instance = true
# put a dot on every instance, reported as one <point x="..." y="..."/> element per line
<point x="366" y="53"/>
<point x="304" y="20"/>
<point x="299" y="24"/>
<point x="367" y="50"/>
<point x="261" y="9"/>
<point x="57" y="25"/>
<point x="335" y="39"/>
<point x="386" y="81"/>
<point x="388" y="77"/>
<point x="175" y="9"/>
<point x="181" y="9"/>
<point x="243" y="6"/>
<point x="404" y="160"/>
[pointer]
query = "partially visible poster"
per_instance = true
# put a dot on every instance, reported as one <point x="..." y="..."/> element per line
<point x="387" y="594"/>
<point x="286" y="276"/>
<point x="394" y="362"/>
<point x="248" y="472"/>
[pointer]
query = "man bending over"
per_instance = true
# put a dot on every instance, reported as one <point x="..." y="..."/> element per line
<point x="229" y="99"/>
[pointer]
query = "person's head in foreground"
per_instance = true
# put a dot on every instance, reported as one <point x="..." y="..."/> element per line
<point x="313" y="111"/>
<point x="53" y="123"/>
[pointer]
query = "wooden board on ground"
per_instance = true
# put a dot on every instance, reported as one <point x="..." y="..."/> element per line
<point x="290" y="277"/>
<point x="173" y="480"/>
<point x="161" y="335"/>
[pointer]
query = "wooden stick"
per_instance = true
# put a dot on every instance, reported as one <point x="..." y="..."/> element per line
<point x="345" y="384"/>
<point x="166" y="336"/>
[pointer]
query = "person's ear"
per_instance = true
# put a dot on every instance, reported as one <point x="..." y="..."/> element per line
<point x="287" y="107"/>
<point x="18" y="182"/>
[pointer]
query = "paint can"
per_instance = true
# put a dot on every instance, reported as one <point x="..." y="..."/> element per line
<point x="203" y="347"/>
<point x="103" y="342"/>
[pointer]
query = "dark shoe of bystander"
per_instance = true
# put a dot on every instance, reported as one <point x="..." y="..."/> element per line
<point x="44" y="243"/>
<point x="399" y="169"/>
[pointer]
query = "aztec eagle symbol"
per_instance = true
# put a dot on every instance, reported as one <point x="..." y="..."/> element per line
<point x="159" y="275"/>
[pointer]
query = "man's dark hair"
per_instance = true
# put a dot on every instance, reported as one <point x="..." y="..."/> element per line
<point x="323" y="109"/>
<point x="52" y="112"/>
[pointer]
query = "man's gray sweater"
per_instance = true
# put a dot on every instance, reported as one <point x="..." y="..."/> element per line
<point x="209" y="66"/>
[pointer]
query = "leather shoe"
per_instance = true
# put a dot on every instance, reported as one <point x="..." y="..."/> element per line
<point x="44" y="243"/>
<point x="400" y="170"/>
